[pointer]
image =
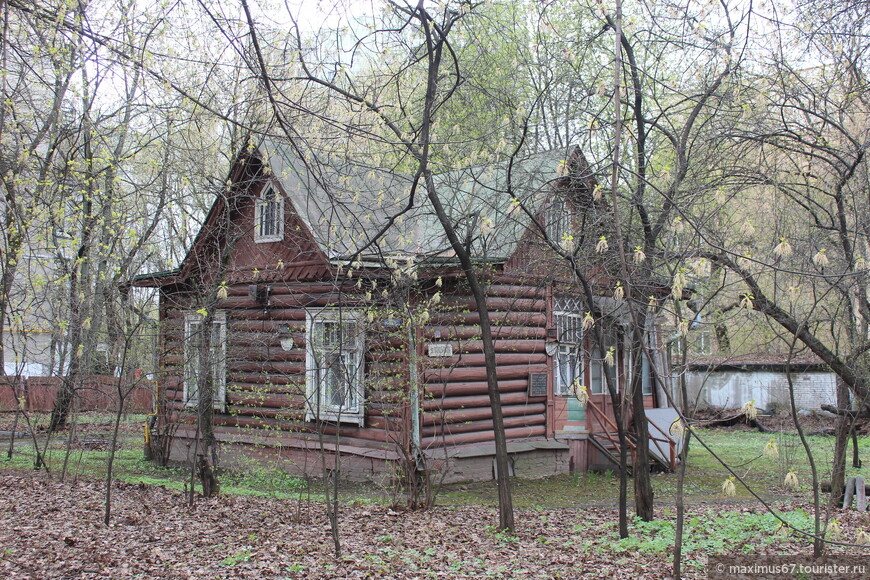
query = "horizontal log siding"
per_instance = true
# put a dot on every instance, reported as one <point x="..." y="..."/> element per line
<point x="477" y="421"/>
<point x="456" y="408"/>
<point x="266" y="384"/>
<point x="483" y="434"/>
<point x="473" y="332"/>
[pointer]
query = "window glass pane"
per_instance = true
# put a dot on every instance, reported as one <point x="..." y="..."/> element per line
<point x="334" y="380"/>
<point x="215" y="358"/>
<point x="646" y="376"/>
<point x="269" y="214"/>
<point x="193" y="345"/>
<point x="218" y="354"/>
<point x="569" y="328"/>
<point x="567" y="366"/>
<point x="568" y="362"/>
<point x="596" y="385"/>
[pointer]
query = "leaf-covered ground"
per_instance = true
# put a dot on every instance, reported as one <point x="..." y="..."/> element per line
<point x="52" y="529"/>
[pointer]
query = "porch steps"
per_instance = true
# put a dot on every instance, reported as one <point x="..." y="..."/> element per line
<point x="608" y="444"/>
<point x="663" y="446"/>
<point x="610" y="449"/>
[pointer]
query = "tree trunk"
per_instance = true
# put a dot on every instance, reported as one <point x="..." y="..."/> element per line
<point x="838" y="467"/>
<point x="505" y="501"/>
<point x="79" y="285"/>
<point x="206" y="386"/>
<point x="681" y="470"/>
<point x="643" y="492"/>
<point x="818" y="544"/>
<point x="119" y="412"/>
<point x="11" y="260"/>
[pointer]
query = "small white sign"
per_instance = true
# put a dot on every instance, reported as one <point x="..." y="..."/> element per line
<point x="287" y="343"/>
<point x="440" y="349"/>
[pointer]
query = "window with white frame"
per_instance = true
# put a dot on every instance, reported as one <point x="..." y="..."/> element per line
<point x="646" y="379"/>
<point x="269" y="219"/>
<point x="646" y="383"/>
<point x="334" y="366"/>
<point x="568" y="361"/>
<point x="558" y="220"/>
<point x="597" y="363"/>
<point x="703" y="342"/>
<point x="211" y="373"/>
<point x="646" y="372"/>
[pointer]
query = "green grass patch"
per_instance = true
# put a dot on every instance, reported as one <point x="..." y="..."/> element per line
<point x="237" y="558"/>
<point x="706" y="531"/>
<point x="743" y="450"/>
<point x="714" y="532"/>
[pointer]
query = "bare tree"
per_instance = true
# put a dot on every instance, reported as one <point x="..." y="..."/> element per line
<point x="422" y="39"/>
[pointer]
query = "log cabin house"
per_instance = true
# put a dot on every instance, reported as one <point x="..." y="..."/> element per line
<point x="325" y="338"/>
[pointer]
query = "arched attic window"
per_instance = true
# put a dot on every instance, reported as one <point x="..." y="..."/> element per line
<point x="269" y="216"/>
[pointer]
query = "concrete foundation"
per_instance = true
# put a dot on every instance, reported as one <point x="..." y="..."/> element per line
<point x="529" y="459"/>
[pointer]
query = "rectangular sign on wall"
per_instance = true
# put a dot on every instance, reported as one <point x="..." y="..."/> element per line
<point x="538" y="385"/>
<point x="440" y="349"/>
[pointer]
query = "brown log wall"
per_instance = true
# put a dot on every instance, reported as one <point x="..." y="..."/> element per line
<point x="266" y="384"/>
<point x="456" y="408"/>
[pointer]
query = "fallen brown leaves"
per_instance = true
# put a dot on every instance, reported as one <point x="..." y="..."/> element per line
<point x="54" y="530"/>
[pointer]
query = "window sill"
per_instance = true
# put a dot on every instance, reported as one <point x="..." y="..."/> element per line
<point x="268" y="239"/>
<point x="194" y="404"/>
<point x="354" y="418"/>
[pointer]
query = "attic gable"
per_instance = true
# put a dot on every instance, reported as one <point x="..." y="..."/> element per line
<point x="339" y="209"/>
<point x="228" y="234"/>
<point x="278" y="248"/>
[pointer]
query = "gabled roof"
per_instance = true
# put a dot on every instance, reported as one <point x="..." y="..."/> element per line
<point x="347" y="204"/>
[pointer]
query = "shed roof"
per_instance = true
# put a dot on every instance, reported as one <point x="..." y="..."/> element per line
<point x="799" y="362"/>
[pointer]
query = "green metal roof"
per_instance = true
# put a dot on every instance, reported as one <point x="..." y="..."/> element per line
<point x="348" y="203"/>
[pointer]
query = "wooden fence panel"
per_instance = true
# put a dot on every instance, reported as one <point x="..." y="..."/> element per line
<point x="92" y="393"/>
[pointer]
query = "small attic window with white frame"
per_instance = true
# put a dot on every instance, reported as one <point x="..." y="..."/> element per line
<point x="557" y="218"/>
<point x="269" y="216"/>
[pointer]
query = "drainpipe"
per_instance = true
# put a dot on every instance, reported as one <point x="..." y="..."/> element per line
<point x="414" y="388"/>
<point x="551" y="369"/>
